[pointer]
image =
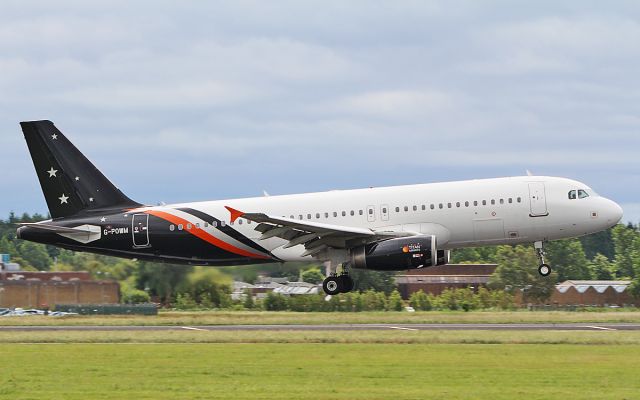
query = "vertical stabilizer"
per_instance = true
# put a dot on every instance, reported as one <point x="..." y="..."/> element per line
<point x="71" y="184"/>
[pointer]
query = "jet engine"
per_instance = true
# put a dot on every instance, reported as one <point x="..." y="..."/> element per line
<point x="399" y="254"/>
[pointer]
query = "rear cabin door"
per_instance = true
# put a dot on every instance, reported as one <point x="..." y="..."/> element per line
<point x="537" y="199"/>
<point x="140" y="230"/>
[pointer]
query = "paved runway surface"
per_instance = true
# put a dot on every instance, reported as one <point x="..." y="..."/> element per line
<point x="339" y="327"/>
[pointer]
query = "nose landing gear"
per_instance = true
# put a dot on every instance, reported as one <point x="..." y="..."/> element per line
<point x="544" y="269"/>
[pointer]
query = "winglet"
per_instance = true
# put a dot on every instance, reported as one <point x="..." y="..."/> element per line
<point x="235" y="214"/>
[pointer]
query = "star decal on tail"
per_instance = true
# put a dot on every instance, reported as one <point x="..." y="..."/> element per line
<point x="52" y="173"/>
<point x="63" y="199"/>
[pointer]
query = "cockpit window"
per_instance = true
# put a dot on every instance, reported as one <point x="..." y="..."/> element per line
<point x="572" y="195"/>
<point x="582" y="194"/>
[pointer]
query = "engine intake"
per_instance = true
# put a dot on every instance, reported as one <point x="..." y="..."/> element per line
<point x="399" y="254"/>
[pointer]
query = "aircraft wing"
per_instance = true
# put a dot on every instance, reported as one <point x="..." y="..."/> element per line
<point x="315" y="236"/>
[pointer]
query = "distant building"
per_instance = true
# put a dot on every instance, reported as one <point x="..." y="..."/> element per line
<point x="592" y="293"/>
<point x="37" y="289"/>
<point x="436" y="279"/>
<point x="7" y="265"/>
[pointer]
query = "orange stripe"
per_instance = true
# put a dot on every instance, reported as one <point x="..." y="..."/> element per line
<point x="203" y="234"/>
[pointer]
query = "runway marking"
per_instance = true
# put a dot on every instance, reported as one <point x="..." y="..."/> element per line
<point x="602" y="328"/>
<point x="402" y="328"/>
<point x="190" y="328"/>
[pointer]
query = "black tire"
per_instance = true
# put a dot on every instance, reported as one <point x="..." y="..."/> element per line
<point x="544" y="270"/>
<point x="332" y="285"/>
<point x="346" y="283"/>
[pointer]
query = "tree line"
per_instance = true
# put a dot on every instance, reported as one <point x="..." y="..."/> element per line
<point x="613" y="254"/>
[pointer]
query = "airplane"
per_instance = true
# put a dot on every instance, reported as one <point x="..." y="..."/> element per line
<point x="387" y="228"/>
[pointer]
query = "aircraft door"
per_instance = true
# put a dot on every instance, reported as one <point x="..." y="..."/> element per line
<point x="371" y="213"/>
<point x="384" y="212"/>
<point x="140" y="230"/>
<point x="537" y="199"/>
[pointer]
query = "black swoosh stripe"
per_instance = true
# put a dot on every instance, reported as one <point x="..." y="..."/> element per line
<point x="228" y="230"/>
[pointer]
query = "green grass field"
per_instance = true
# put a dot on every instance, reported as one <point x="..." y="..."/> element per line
<point x="319" y="371"/>
<point x="264" y="317"/>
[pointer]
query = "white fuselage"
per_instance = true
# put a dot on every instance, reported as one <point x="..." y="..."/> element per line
<point x="460" y="214"/>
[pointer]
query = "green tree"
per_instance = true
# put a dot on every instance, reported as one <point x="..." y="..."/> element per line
<point x="623" y="242"/>
<point x="312" y="275"/>
<point x="395" y="302"/>
<point x="274" y="302"/>
<point x="161" y="279"/>
<point x="602" y="268"/>
<point x="381" y="281"/>
<point x="134" y="296"/>
<point x="35" y="254"/>
<point x="568" y="260"/>
<point x="207" y="285"/>
<point x="517" y="272"/>
<point x="598" y="243"/>
<point x="248" y="303"/>
<point x="420" y="301"/>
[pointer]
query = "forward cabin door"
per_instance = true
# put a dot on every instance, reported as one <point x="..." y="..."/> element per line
<point x="537" y="199"/>
<point x="140" y="230"/>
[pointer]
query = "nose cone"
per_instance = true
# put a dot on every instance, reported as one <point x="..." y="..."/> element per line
<point x="613" y="212"/>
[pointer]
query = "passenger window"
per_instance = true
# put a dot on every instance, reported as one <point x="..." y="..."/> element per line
<point x="326" y="215"/>
<point x="572" y="195"/>
<point x="317" y="215"/>
<point x="458" y="204"/>
<point x="344" y="213"/>
<point x="424" y="207"/>
<point x="397" y="209"/>
<point x="214" y="224"/>
<point x="475" y="203"/>
<point x="240" y="222"/>
<point x="466" y="204"/>
<point x="335" y="213"/>
<point x="448" y="205"/>
<point x="180" y="227"/>
<point x="484" y="202"/>
<point x="172" y="228"/>
<point x="223" y="224"/>
<point x="299" y="216"/>
<point x="440" y="206"/>
<point x="519" y="199"/>
<point x="352" y="213"/>
<point x="188" y="227"/>
<point x="493" y="202"/>
<point x="206" y="224"/>
<point x="248" y="222"/>
<point x="510" y="200"/>
<point x="501" y="201"/>
<point x="308" y="216"/>
<point x="582" y="194"/>
<point x="406" y="208"/>
<point x="198" y="225"/>
<point x="415" y="208"/>
<point x="361" y="213"/>
<point x="432" y="206"/>
<point x="384" y="210"/>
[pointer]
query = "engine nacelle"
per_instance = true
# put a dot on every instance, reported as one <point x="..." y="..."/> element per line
<point x="399" y="254"/>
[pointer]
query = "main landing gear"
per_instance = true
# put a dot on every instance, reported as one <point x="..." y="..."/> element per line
<point x="335" y="284"/>
<point x="544" y="269"/>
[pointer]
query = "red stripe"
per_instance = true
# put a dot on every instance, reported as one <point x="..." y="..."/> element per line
<point x="204" y="235"/>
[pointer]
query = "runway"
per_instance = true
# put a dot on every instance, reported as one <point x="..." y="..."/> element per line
<point x="334" y="327"/>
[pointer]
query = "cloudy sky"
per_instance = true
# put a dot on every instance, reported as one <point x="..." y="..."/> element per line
<point x="181" y="101"/>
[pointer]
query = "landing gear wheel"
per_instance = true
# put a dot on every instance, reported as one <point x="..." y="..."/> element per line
<point x="346" y="282"/>
<point x="332" y="285"/>
<point x="544" y="270"/>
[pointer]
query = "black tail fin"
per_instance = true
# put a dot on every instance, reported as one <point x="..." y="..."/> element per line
<point x="71" y="184"/>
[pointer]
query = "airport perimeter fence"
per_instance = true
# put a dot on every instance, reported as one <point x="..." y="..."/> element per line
<point x="109" y="309"/>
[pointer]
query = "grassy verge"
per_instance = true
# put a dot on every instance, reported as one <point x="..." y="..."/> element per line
<point x="256" y="317"/>
<point x="319" y="371"/>
<point x="350" y="337"/>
